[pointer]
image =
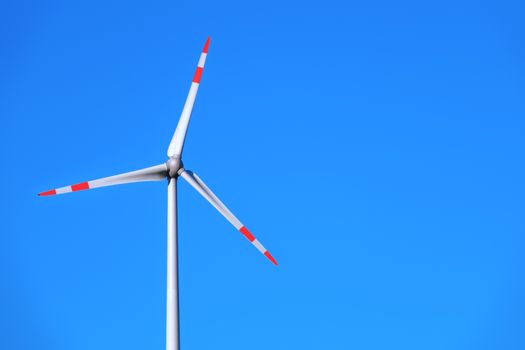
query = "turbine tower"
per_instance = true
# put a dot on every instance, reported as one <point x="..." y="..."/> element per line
<point x="172" y="170"/>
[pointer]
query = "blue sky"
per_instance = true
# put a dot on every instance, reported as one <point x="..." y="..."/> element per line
<point x="376" y="149"/>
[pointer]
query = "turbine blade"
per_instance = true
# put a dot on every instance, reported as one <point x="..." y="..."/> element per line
<point x="177" y="141"/>
<point x="199" y="185"/>
<point x="154" y="173"/>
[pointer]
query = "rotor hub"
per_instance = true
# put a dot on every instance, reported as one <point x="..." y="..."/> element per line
<point x="174" y="165"/>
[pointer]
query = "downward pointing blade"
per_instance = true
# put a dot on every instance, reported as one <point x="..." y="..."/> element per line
<point x="154" y="173"/>
<point x="177" y="141"/>
<point x="199" y="185"/>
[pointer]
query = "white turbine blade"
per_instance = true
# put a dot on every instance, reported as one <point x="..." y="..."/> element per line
<point x="154" y="173"/>
<point x="177" y="141"/>
<point x="199" y="185"/>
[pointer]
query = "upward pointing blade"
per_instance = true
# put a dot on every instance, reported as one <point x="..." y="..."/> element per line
<point x="177" y="141"/>
<point x="199" y="185"/>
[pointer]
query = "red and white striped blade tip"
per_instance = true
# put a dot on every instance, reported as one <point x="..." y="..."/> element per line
<point x="48" y="193"/>
<point x="73" y="188"/>
<point x="206" y="45"/>
<point x="270" y="257"/>
<point x="249" y="236"/>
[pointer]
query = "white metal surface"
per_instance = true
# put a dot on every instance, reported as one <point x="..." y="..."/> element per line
<point x="177" y="141"/>
<point x="191" y="178"/>
<point x="154" y="173"/>
<point x="204" y="190"/>
<point x="172" y="285"/>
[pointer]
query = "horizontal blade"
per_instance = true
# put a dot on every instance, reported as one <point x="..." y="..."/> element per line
<point x="199" y="185"/>
<point x="154" y="173"/>
<point x="177" y="141"/>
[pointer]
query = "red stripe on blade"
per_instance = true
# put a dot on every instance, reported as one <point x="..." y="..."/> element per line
<point x="198" y="74"/>
<point x="205" y="49"/>
<point x="269" y="256"/>
<point x="79" y="187"/>
<point x="48" y="193"/>
<point x="247" y="234"/>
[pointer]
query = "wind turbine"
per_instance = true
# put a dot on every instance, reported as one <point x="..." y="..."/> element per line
<point x="172" y="170"/>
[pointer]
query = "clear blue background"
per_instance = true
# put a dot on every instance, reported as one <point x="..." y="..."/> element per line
<point x="376" y="148"/>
